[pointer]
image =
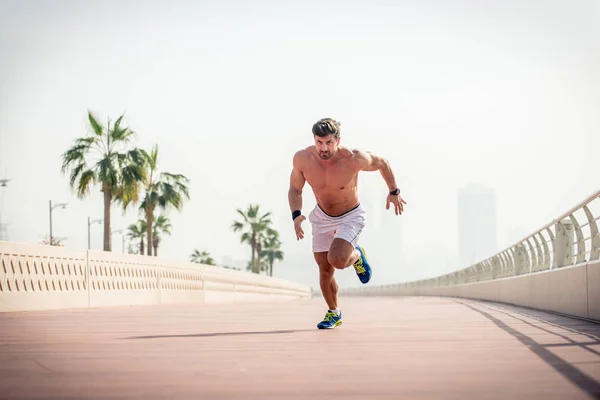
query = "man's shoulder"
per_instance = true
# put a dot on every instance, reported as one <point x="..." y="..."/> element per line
<point x="300" y="156"/>
<point x="358" y="154"/>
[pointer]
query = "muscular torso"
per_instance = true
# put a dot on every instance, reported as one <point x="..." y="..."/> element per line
<point x="333" y="182"/>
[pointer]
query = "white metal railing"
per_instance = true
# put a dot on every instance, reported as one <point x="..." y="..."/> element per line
<point x="570" y="239"/>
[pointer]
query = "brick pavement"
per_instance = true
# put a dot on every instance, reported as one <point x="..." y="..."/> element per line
<point x="387" y="348"/>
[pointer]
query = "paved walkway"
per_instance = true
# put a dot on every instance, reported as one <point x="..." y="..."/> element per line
<point x="388" y="348"/>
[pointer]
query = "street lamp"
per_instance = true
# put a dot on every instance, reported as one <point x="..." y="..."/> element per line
<point x="50" y="208"/>
<point x="3" y="184"/>
<point x="89" y="225"/>
<point x="122" y="239"/>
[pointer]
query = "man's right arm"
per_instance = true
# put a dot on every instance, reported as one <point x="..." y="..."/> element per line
<point x="297" y="181"/>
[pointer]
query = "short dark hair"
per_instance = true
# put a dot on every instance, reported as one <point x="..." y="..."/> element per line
<point x="326" y="126"/>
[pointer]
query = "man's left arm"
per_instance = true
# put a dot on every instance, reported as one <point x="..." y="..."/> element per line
<point x="372" y="162"/>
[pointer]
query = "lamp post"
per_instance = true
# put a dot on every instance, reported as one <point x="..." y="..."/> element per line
<point x="122" y="239"/>
<point x="90" y="222"/>
<point x="3" y="184"/>
<point x="50" y="208"/>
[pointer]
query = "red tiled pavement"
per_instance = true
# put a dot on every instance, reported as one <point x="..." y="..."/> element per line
<point x="388" y="348"/>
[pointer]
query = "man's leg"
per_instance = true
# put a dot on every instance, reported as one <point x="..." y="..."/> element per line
<point x="345" y="251"/>
<point x="342" y="254"/>
<point x="329" y="286"/>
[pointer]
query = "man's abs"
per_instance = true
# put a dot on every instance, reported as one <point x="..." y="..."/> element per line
<point x="337" y="203"/>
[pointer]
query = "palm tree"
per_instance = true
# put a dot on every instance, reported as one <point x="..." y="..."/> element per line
<point x="104" y="158"/>
<point x="202" y="257"/>
<point x="271" y="249"/>
<point x="161" y="225"/>
<point x="252" y="227"/>
<point x="137" y="232"/>
<point x="162" y="190"/>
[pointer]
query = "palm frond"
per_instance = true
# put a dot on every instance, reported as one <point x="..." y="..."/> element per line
<point x="107" y="171"/>
<point x="237" y="226"/>
<point x="246" y="237"/>
<point x="244" y="216"/>
<point x="97" y="128"/>
<point x="153" y="157"/>
<point x="120" y="133"/>
<point x="75" y="173"/>
<point x="85" y="182"/>
<point x="75" y="155"/>
<point x="162" y="225"/>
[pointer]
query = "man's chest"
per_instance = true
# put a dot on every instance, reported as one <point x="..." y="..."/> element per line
<point x="336" y="176"/>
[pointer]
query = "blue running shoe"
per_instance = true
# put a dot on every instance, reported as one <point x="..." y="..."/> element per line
<point x="361" y="266"/>
<point x="330" y="321"/>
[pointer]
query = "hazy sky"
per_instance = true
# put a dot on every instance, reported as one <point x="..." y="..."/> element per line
<point x="499" y="93"/>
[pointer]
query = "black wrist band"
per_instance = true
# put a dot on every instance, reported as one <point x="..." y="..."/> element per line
<point x="296" y="214"/>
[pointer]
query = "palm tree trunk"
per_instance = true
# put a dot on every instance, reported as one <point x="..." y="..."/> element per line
<point x="149" y="219"/>
<point x="252" y="262"/>
<point x="270" y="267"/>
<point x="155" y="249"/>
<point x="142" y="245"/>
<point x="258" y="254"/>
<point x="107" y="201"/>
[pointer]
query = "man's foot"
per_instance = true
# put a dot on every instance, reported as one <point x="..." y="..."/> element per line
<point x="361" y="266"/>
<point x="331" y="320"/>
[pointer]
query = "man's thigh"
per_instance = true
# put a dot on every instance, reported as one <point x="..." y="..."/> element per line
<point x="345" y="240"/>
<point x="321" y="242"/>
<point x="349" y="232"/>
<point x="340" y="250"/>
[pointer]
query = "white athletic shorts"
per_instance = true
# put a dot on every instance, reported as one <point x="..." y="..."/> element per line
<point x="325" y="227"/>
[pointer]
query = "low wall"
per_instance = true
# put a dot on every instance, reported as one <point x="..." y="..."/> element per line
<point x="37" y="277"/>
<point x="573" y="290"/>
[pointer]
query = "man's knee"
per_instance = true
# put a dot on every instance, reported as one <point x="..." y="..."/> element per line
<point x="339" y="253"/>
<point x="325" y="269"/>
<point x="337" y="259"/>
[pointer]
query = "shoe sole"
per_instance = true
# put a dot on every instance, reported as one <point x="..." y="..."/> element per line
<point x="331" y="327"/>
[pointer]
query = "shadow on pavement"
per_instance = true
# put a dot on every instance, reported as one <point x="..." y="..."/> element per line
<point x="588" y="328"/>
<point x="216" y="334"/>
<point x="570" y="372"/>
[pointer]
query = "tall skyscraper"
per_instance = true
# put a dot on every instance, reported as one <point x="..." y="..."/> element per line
<point x="477" y="237"/>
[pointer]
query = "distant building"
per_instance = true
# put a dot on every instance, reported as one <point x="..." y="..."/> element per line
<point x="477" y="227"/>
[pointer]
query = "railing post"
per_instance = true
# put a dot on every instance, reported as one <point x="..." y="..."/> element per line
<point x="531" y="256"/>
<point x="580" y="255"/>
<point x="552" y="236"/>
<point x="496" y="266"/>
<point x="517" y="262"/>
<point x="595" y="236"/>
<point x="546" y="264"/>
<point x="563" y="250"/>
<point x="505" y="265"/>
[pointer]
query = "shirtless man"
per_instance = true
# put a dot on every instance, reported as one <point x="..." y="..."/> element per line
<point x="338" y="218"/>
